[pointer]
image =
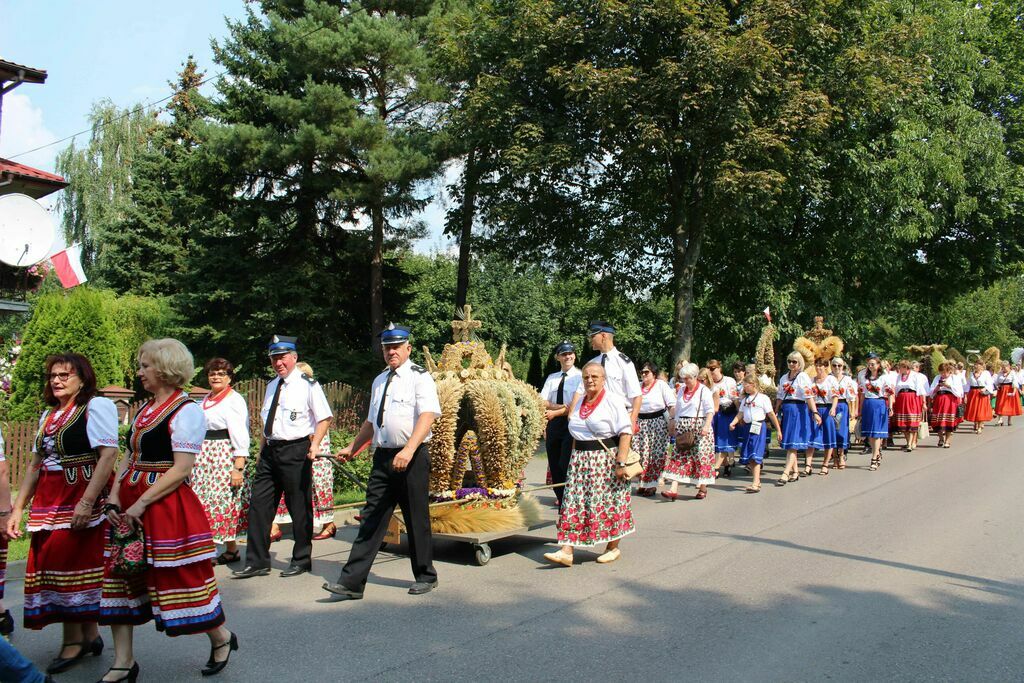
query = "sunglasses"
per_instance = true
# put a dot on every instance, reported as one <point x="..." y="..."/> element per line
<point x="793" y="362"/>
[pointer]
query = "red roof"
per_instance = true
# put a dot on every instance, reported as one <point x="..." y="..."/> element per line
<point x="13" y="167"/>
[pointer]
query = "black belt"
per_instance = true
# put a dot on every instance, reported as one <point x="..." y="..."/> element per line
<point x="728" y="410"/>
<point x="595" y="445"/>
<point x="904" y="391"/>
<point x="216" y="434"/>
<point x="793" y="400"/>
<point x="842" y="400"/>
<point x="275" y="443"/>
<point x="652" y="415"/>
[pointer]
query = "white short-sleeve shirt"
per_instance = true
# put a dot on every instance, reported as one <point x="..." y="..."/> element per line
<point x="100" y="427"/>
<point x="301" y="405"/>
<point x="609" y="419"/>
<point x="728" y="392"/>
<point x="697" y="404"/>
<point x="411" y="393"/>
<point x="658" y="397"/>
<point x="847" y="388"/>
<point x="982" y="381"/>
<point x="881" y="387"/>
<point x="825" y="390"/>
<point x="949" y="385"/>
<point x="755" y="408"/>
<point x="549" y="392"/>
<point x="620" y="377"/>
<point x="188" y="429"/>
<point x="230" y="413"/>
<point x="794" y="388"/>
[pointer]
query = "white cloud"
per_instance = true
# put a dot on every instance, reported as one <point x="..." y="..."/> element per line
<point x="22" y="129"/>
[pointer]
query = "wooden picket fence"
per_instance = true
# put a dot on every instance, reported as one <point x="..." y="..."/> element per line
<point x="348" y="404"/>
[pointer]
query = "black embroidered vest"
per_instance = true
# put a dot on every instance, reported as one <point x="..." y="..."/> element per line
<point x="149" y="448"/>
<point x="71" y="441"/>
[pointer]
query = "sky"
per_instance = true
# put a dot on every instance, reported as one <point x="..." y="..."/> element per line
<point x="121" y="50"/>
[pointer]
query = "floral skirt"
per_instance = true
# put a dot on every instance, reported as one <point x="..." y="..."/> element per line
<point x="943" y="415"/>
<point x="323" y="491"/>
<point x="595" y="504"/>
<point x="979" y="407"/>
<point x="227" y="508"/>
<point x="178" y="590"/>
<point x="1008" y="401"/>
<point x="651" y="442"/>
<point x="906" y="411"/>
<point x="696" y="463"/>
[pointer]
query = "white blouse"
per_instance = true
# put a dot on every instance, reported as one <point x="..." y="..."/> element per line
<point x="608" y="420"/>
<point x="659" y="397"/>
<point x="825" y="390"/>
<point x="1012" y="379"/>
<point x="230" y="413"/>
<point x="794" y="389"/>
<point x="982" y="381"/>
<point x="100" y="428"/>
<point x="847" y="388"/>
<point x="699" y="404"/>
<point x="951" y="385"/>
<point x="876" y="388"/>
<point x="188" y="429"/>
<point x="755" y="408"/>
<point x="728" y="392"/>
<point x="913" y="381"/>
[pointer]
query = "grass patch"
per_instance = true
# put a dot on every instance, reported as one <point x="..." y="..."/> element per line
<point x="345" y="497"/>
<point x="17" y="549"/>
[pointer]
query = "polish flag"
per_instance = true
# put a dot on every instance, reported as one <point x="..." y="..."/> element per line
<point x="68" y="264"/>
<point x="767" y="313"/>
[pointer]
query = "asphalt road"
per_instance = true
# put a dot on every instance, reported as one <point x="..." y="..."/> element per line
<point x="913" y="572"/>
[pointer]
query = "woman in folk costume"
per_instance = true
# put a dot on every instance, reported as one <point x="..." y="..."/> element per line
<point x="694" y="456"/>
<point x="6" y="620"/>
<point x="755" y="409"/>
<point x="979" y="396"/>
<point x="595" y="508"/>
<point x="1008" y="385"/>
<point x="945" y="394"/>
<point x="797" y="412"/>
<point x="65" y="489"/>
<point x="656" y="410"/>
<point x="822" y="437"/>
<point x="218" y="477"/>
<point x="151" y="492"/>
<point x="323" y="490"/>
<point x="911" y="392"/>
<point x="846" y="409"/>
<point x="728" y="394"/>
<point x="876" y="399"/>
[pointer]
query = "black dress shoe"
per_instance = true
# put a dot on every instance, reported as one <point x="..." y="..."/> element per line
<point x="6" y="624"/>
<point x="214" y="667"/>
<point x="342" y="592"/>
<point x="294" y="570"/>
<point x="250" y="572"/>
<point x="421" y="587"/>
<point x="61" y="664"/>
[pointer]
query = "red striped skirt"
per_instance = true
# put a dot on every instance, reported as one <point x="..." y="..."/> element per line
<point x="64" y="572"/>
<point x="906" y="411"/>
<point x="943" y="415"/>
<point x="178" y="591"/>
<point x="1008" y="401"/>
<point x="979" y="407"/>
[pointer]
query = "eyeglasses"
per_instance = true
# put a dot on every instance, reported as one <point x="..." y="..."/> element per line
<point x="645" y="372"/>
<point x="837" y="365"/>
<point x="217" y="373"/>
<point x="62" y="376"/>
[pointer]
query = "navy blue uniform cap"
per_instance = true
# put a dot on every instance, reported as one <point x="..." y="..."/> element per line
<point x="281" y="344"/>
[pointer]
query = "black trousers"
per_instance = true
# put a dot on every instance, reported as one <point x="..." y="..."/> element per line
<point x="283" y="468"/>
<point x="558" y="443"/>
<point x="387" y="488"/>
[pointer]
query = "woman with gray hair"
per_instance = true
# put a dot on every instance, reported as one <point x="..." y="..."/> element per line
<point x="694" y="454"/>
<point x="797" y="404"/>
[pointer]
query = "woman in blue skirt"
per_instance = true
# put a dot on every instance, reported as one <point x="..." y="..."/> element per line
<point x="846" y="410"/>
<point x="755" y="409"/>
<point x="797" y="404"/>
<point x="822" y="436"/>
<point x="876" y="397"/>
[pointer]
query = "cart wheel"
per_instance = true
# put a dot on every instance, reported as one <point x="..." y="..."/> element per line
<point x="483" y="554"/>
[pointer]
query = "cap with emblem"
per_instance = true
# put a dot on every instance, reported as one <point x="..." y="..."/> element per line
<point x="565" y="346"/>
<point x="394" y="334"/>
<point x="281" y="344"/>
<point x="599" y="326"/>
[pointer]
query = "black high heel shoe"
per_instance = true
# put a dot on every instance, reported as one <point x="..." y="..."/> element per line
<point x="214" y="667"/>
<point x="131" y="677"/>
<point x="61" y="664"/>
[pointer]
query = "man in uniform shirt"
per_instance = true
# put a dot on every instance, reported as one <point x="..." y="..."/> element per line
<point x="296" y="416"/>
<point x="621" y="379"/>
<point x="403" y="407"/>
<point x="557" y="394"/>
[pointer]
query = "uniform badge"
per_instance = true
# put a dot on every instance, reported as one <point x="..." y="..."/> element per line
<point x="294" y="415"/>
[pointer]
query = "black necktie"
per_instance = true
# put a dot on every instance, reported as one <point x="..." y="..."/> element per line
<point x="604" y="357"/>
<point x="383" y="397"/>
<point x="268" y="427"/>
<point x="561" y="386"/>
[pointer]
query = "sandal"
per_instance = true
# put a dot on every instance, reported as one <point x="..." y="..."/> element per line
<point x="229" y="556"/>
<point x="808" y="471"/>
<point x="875" y="464"/>
<point x="794" y="477"/>
<point x="823" y="471"/>
<point x="781" y="481"/>
<point x="701" y="495"/>
<point x="945" y="445"/>
<point x="753" y="488"/>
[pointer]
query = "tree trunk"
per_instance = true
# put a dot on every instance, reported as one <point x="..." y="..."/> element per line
<point x="687" y="235"/>
<point x="471" y="177"/>
<point x="376" y="273"/>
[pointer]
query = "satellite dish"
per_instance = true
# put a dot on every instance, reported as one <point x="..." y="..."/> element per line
<point x="26" y="231"/>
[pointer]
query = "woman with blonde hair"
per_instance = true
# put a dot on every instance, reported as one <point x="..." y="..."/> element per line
<point x="755" y="409"/>
<point x="1008" y="405"/>
<point x="796" y="401"/>
<point x="909" y="403"/>
<point x="693" y="458"/>
<point x="846" y="410"/>
<point x="151" y="492"/>
<point x="979" y="396"/>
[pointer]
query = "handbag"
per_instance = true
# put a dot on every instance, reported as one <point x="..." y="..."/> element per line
<point x="127" y="549"/>
<point x="632" y="468"/>
<point x="922" y="430"/>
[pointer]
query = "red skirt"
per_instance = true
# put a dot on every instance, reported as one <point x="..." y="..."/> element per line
<point x="906" y="412"/>
<point x="178" y="590"/>
<point x="943" y="416"/>
<point x="64" y="572"/>
<point x="1008" y="401"/>
<point x="979" y="407"/>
